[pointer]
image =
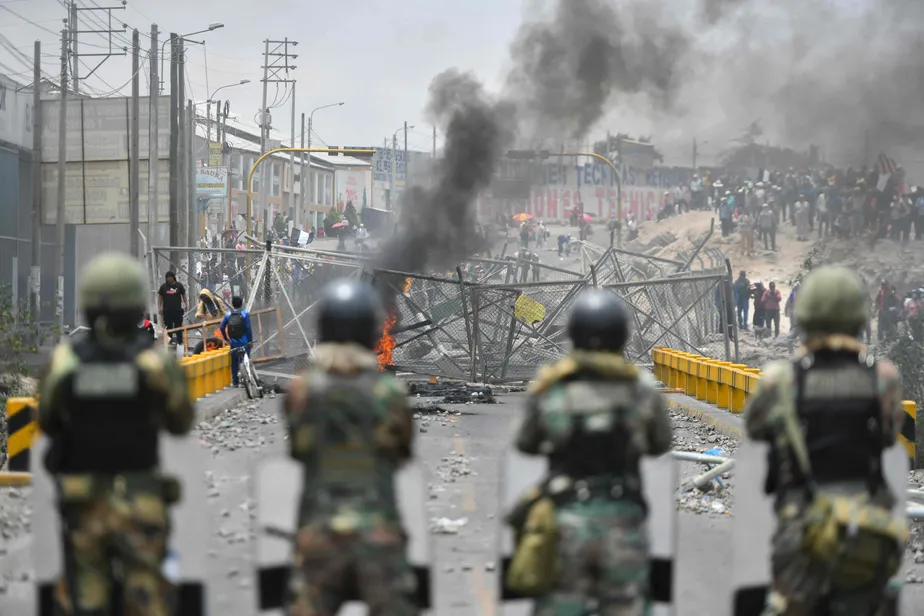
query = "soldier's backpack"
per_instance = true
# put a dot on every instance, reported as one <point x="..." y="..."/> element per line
<point x="237" y="327"/>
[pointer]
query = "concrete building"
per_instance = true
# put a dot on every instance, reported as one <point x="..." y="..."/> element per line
<point x="285" y="194"/>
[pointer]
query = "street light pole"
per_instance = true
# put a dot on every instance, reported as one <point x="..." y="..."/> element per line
<point x="209" y="29"/>
<point x="310" y="123"/>
<point x="394" y="160"/>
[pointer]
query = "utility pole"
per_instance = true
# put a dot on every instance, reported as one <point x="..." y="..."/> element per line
<point x="183" y="175"/>
<point x="301" y="174"/>
<point x="134" y="173"/>
<point x="394" y="164"/>
<point x="153" y="145"/>
<point x="62" y="169"/>
<point x="192" y="234"/>
<point x="174" y="154"/>
<point x="291" y="201"/>
<point x="406" y="174"/>
<point x="75" y="58"/>
<point x="106" y="31"/>
<point x="391" y="187"/>
<point x="273" y="73"/>
<point x="35" y="273"/>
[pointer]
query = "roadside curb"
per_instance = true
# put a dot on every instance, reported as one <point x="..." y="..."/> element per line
<point x="212" y="405"/>
<point x="715" y="419"/>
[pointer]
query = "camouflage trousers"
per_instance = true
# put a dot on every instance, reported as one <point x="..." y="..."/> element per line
<point x="799" y="583"/>
<point x="367" y="565"/>
<point x="603" y="561"/>
<point x="130" y="530"/>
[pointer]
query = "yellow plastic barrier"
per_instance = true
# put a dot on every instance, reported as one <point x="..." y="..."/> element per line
<point x="206" y="373"/>
<point x="727" y="385"/>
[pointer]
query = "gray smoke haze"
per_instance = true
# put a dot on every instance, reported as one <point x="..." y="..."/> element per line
<point x="820" y="72"/>
<point x="589" y="53"/>
<point x="438" y="228"/>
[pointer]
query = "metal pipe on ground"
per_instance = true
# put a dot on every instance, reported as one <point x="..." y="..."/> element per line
<point x="690" y="456"/>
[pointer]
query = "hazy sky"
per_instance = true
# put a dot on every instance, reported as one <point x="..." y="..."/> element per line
<point x="377" y="56"/>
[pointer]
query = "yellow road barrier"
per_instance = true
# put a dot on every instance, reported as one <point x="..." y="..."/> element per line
<point x="727" y="385"/>
<point x="206" y="373"/>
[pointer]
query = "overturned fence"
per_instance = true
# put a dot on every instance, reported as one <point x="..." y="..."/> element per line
<point x="490" y="320"/>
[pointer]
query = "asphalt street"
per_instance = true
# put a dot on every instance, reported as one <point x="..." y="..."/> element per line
<point x="461" y="446"/>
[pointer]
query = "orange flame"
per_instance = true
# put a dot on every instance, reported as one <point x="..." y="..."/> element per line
<point x="386" y="344"/>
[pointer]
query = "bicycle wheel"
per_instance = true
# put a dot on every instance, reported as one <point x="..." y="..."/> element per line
<point x="244" y="376"/>
<point x="253" y="376"/>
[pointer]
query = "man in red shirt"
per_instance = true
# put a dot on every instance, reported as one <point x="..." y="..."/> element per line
<point x="771" y="301"/>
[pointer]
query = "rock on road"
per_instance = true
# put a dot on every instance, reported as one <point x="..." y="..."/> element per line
<point x="461" y="446"/>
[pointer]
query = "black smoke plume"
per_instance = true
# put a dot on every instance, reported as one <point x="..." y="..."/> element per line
<point x="438" y="224"/>
<point x="589" y="55"/>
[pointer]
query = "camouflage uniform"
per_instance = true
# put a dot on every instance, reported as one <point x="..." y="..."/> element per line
<point x="351" y="426"/>
<point x="112" y="512"/>
<point x="801" y="585"/>
<point x="603" y="538"/>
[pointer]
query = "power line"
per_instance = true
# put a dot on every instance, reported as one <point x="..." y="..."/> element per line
<point x="29" y="21"/>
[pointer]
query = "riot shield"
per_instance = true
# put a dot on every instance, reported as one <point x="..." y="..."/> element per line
<point x="754" y="521"/>
<point x="520" y="472"/>
<point x="278" y="491"/>
<point x="182" y="457"/>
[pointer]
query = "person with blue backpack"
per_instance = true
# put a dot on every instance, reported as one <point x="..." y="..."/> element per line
<point x="235" y="328"/>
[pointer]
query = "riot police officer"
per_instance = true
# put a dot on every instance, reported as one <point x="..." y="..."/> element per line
<point x="103" y="401"/>
<point x="351" y="428"/>
<point x="594" y="415"/>
<point x="828" y="414"/>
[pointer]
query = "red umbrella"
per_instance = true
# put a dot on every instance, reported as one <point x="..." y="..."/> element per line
<point x="588" y="218"/>
<point x="338" y="225"/>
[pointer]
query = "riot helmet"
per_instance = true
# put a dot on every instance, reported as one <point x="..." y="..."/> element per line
<point x="350" y="311"/>
<point x="599" y="321"/>
<point x="113" y="291"/>
<point x="831" y="301"/>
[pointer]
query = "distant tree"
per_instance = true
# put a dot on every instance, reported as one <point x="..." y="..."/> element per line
<point x="349" y="212"/>
<point x="332" y="218"/>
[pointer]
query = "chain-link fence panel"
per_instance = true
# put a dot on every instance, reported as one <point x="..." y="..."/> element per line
<point x="691" y="313"/>
<point x="519" y="327"/>
<point x="289" y="282"/>
<point x="219" y="273"/>
<point x="428" y="329"/>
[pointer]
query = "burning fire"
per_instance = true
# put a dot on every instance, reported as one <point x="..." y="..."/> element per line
<point x="386" y="344"/>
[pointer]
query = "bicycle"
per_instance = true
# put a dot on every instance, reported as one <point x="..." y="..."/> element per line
<point x="247" y="374"/>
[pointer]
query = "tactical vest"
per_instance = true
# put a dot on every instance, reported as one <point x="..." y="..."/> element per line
<point x="111" y="425"/>
<point x="838" y="405"/>
<point x="350" y="469"/>
<point x="591" y="440"/>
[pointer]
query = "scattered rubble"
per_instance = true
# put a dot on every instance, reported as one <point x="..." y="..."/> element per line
<point x="15" y="513"/>
<point x="446" y="526"/>
<point x="236" y="428"/>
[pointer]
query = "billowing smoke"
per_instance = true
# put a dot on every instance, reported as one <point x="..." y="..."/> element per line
<point x="811" y="71"/>
<point x="588" y="55"/>
<point x="566" y="69"/>
<point x="438" y="223"/>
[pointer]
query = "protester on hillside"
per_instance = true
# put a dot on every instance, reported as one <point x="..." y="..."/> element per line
<point x="771" y="305"/>
<point x="742" y="299"/>
<point x="757" y="292"/>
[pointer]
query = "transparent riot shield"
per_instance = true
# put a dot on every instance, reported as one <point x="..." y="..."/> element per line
<point x="182" y="457"/>
<point x="520" y="472"/>
<point x="278" y="490"/>
<point x="754" y="522"/>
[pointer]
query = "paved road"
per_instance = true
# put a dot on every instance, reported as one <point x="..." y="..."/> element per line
<point x="462" y="452"/>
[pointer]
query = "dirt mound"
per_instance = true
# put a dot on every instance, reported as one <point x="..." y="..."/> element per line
<point x="901" y="264"/>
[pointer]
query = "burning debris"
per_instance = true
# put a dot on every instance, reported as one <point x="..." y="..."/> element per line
<point x="453" y="392"/>
<point x="386" y="345"/>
